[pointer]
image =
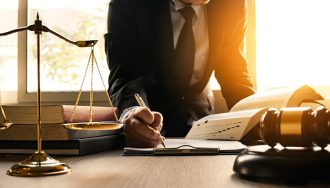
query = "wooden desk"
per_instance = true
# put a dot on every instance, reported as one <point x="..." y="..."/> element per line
<point x="110" y="169"/>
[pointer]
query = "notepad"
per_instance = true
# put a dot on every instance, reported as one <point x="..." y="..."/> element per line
<point x="181" y="146"/>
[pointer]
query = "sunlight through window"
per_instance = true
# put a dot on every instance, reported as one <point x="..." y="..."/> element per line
<point x="62" y="64"/>
<point x="8" y="46"/>
<point x="292" y="39"/>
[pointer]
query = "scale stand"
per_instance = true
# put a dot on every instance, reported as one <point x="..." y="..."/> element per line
<point x="40" y="163"/>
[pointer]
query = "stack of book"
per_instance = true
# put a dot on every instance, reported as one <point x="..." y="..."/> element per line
<point x="56" y="139"/>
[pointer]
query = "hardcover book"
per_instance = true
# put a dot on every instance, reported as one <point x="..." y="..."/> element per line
<point x="52" y="117"/>
<point x="52" y="131"/>
<point x="27" y="114"/>
<point x="64" y="147"/>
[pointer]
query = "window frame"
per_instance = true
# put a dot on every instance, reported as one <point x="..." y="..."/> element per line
<point x="48" y="97"/>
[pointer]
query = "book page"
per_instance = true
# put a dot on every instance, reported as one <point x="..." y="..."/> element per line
<point x="223" y="145"/>
<point x="278" y="98"/>
<point x="304" y="93"/>
<point x="226" y="126"/>
<point x="317" y="103"/>
<point x="325" y="103"/>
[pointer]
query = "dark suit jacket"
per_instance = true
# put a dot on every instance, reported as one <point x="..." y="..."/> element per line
<point x="139" y="48"/>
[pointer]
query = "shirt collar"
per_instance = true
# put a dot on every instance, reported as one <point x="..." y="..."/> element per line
<point x="177" y="5"/>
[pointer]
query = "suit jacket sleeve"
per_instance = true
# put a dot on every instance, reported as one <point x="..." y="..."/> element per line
<point x="231" y="65"/>
<point x="125" y="56"/>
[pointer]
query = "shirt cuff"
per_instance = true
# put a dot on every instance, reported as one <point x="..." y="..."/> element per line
<point x="127" y="112"/>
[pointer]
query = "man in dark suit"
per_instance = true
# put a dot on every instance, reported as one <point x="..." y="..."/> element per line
<point x="166" y="51"/>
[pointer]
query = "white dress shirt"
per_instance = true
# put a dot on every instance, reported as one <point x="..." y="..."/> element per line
<point x="201" y="36"/>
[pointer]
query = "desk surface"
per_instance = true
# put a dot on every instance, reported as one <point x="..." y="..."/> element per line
<point x="110" y="169"/>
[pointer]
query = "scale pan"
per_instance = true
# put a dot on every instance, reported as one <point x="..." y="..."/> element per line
<point x="103" y="125"/>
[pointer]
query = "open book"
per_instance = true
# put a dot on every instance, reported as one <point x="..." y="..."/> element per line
<point x="246" y="114"/>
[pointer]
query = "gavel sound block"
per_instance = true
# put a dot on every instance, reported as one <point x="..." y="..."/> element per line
<point x="296" y="141"/>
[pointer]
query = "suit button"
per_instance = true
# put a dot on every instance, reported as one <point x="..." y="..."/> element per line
<point x="182" y="97"/>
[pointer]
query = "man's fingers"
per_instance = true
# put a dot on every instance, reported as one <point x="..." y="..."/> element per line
<point x="141" y="137"/>
<point x="144" y="114"/>
<point x="142" y="129"/>
<point x="153" y="119"/>
<point x="158" y="121"/>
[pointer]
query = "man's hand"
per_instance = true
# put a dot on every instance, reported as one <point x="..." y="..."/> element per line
<point x="142" y="128"/>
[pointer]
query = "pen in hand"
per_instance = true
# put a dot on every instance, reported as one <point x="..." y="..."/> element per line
<point x="142" y="104"/>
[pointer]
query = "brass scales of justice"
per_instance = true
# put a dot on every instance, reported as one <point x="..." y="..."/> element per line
<point x="40" y="163"/>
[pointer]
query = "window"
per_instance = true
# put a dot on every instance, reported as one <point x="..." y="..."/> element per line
<point x="8" y="51"/>
<point x="62" y="64"/>
<point x="292" y="42"/>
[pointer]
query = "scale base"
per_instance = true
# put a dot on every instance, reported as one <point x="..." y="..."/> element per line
<point x="294" y="164"/>
<point x="39" y="164"/>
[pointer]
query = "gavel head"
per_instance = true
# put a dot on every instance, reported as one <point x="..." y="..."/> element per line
<point x="296" y="126"/>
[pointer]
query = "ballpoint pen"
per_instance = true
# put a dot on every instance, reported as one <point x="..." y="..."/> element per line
<point x="142" y="104"/>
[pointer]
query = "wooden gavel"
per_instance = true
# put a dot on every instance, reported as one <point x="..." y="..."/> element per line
<point x="296" y="126"/>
